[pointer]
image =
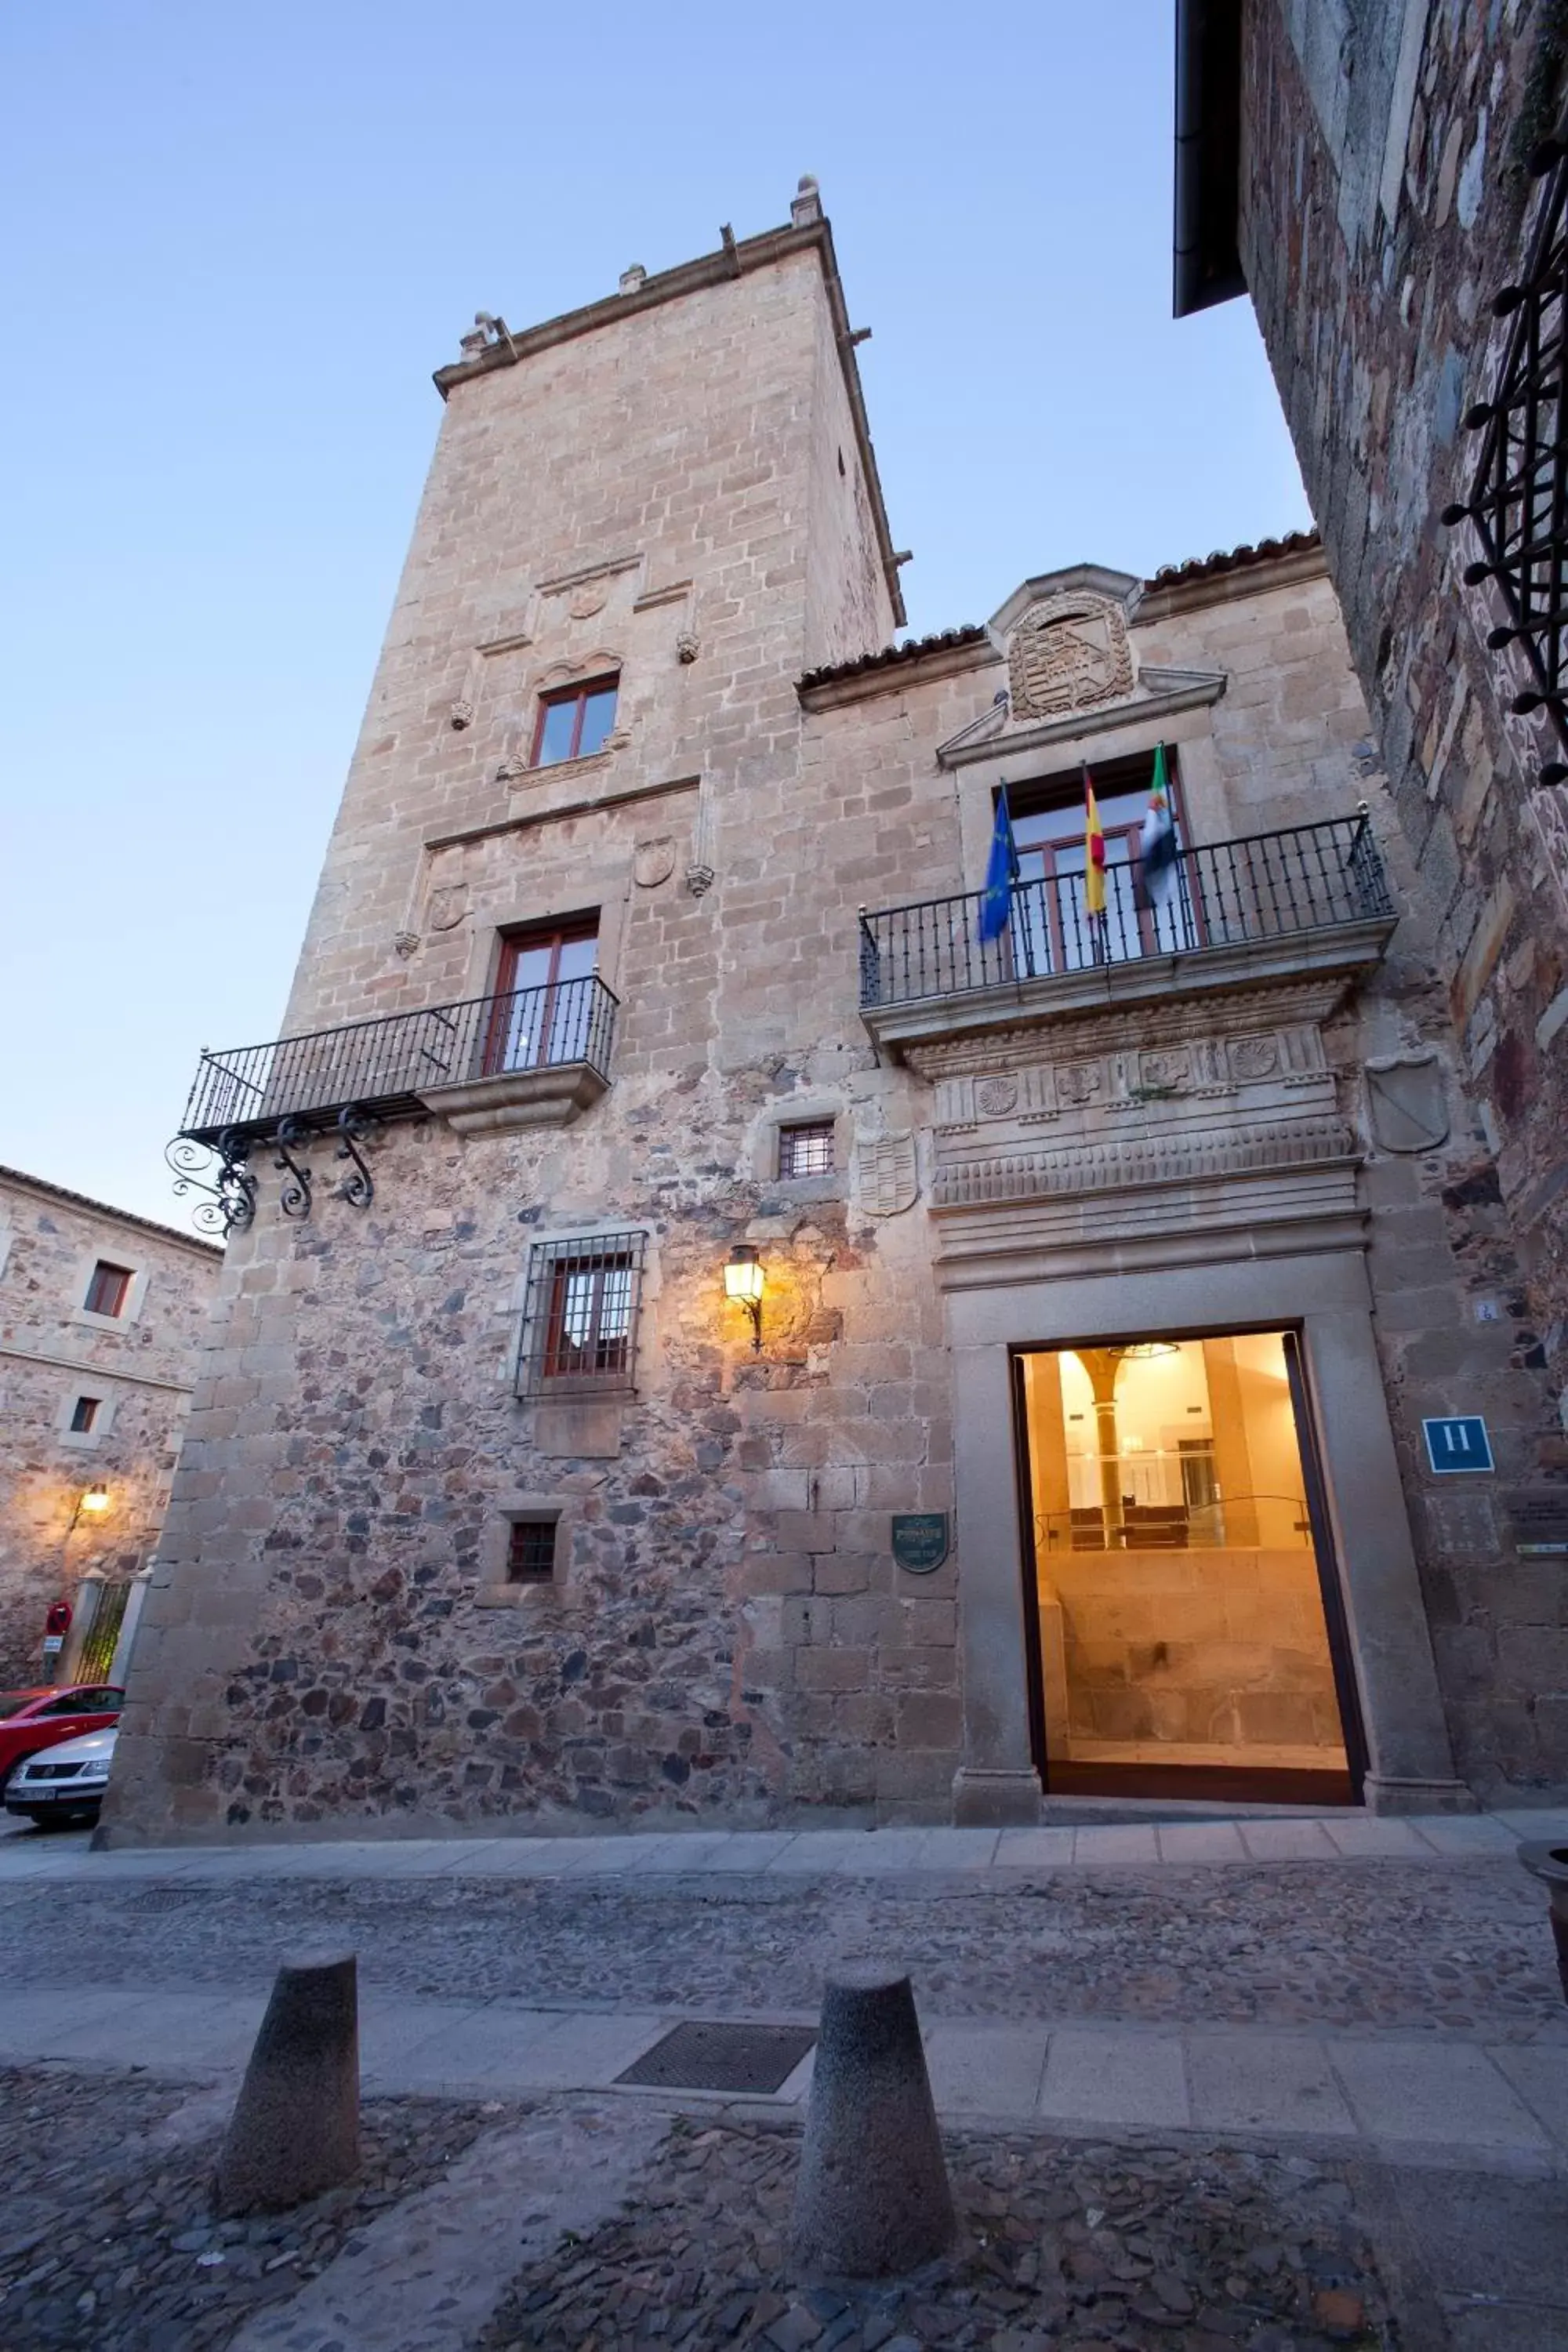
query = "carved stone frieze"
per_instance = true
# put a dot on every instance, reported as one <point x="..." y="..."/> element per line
<point x="1169" y="1106"/>
<point x="995" y="1098"/>
<point x="1168" y="1159"/>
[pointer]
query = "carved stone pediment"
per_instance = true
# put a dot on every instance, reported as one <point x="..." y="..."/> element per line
<point x="1068" y="653"/>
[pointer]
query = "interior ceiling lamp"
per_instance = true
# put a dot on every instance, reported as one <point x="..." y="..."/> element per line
<point x="743" y="1282"/>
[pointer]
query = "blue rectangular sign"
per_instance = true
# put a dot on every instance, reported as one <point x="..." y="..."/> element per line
<point x="1458" y="1443"/>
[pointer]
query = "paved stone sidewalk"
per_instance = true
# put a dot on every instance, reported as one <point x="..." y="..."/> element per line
<point x="1349" y="1836"/>
<point x="1446" y="2099"/>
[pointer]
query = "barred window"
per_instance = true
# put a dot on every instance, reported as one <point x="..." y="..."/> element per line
<point x="806" y="1147"/>
<point x="531" y="1551"/>
<point x="579" y="1334"/>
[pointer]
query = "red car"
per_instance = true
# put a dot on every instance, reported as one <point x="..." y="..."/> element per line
<point x="31" y="1720"/>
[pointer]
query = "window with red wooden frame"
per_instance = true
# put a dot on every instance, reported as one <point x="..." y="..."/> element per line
<point x="109" y="1288"/>
<point x="1050" y="930"/>
<point x="574" y="720"/>
<point x="580" y="1321"/>
<point x="544" y="1000"/>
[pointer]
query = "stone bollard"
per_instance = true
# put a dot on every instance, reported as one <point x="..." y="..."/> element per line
<point x="873" y="2195"/>
<point x="1550" y="1864"/>
<point x="295" y="2127"/>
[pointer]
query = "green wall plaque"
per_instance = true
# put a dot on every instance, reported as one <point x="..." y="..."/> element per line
<point x="920" y="1540"/>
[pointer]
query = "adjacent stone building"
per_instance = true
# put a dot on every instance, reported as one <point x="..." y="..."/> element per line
<point x="1389" y="180"/>
<point x="729" y="1321"/>
<point x="100" y="1318"/>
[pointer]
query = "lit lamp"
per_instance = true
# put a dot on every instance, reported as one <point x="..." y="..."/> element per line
<point x="743" y="1282"/>
<point x="93" y="1502"/>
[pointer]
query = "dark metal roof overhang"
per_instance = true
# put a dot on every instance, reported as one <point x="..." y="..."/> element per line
<point x="1207" y="259"/>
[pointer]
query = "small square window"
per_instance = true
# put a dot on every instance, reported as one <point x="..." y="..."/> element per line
<point x="84" y="1413"/>
<point x="806" y="1148"/>
<point x="109" y="1289"/>
<point x="531" y="1551"/>
<point x="574" y="720"/>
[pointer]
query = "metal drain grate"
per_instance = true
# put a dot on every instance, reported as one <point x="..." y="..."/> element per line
<point x="722" y="2058"/>
<point x="164" y="1898"/>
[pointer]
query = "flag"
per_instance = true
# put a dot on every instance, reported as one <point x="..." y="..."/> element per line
<point x="1001" y="873"/>
<point x="1093" y="852"/>
<point x="1157" y="842"/>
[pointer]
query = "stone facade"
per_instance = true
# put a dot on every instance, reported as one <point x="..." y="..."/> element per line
<point x="676" y="487"/>
<point x="1386" y="198"/>
<point x="134" y="1368"/>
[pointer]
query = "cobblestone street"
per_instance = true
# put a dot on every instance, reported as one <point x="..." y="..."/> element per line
<point x="1390" y="1944"/>
<point x="1277" y="2105"/>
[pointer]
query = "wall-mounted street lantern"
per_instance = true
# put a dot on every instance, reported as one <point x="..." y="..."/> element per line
<point x="743" y="1282"/>
<point x="90" y="1504"/>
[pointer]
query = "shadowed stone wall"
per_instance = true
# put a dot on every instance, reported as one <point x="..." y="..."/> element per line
<point x="1385" y="201"/>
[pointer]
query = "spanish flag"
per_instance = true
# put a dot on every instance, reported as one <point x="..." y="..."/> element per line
<point x="1093" y="852"/>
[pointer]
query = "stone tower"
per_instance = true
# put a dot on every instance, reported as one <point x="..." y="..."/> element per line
<point x="673" y="490"/>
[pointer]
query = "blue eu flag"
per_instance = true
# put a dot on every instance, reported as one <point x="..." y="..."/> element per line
<point x="1001" y="873"/>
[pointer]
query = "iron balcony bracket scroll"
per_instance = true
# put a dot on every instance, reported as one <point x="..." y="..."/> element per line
<point x="1518" y="496"/>
<point x="230" y="1202"/>
<point x="295" y="1198"/>
<point x="353" y="1125"/>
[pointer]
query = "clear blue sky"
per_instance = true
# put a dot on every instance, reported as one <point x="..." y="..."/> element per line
<point x="241" y="238"/>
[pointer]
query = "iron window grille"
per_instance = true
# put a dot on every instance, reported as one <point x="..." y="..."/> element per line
<point x="1518" y="499"/>
<point x="580" y="1318"/>
<point x="805" y="1148"/>
<point x="107" y="1290"/>
<point x="531" y="1551"/>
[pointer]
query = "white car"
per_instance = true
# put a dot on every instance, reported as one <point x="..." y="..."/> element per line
<point x="64" y="1784"/>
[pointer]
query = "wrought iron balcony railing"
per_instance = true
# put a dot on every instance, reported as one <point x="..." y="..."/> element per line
<point x="392" y="1064"/>
<point x="1266" y="886"/>
<point x="547" y="1051"/>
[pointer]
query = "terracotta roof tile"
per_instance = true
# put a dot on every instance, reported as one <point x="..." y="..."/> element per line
<point x="1170" y="575"/>
<point x="1204" y="567"/>
<point x="889" y="655"/>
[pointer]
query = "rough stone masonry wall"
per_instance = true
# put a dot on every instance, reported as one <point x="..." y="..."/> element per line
<point x="1378" y="331"/>
<point x="725" y="1637"/>
<point x="140" y="1371"/>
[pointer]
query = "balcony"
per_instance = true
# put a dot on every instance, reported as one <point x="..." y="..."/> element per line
<point x="1267" y="906"/>
<point x="533" y="1058"/>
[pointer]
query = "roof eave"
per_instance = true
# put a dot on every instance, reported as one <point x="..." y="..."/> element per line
<point x="1207" y="242"/>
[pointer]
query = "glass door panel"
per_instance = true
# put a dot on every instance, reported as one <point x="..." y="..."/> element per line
<point x="1178" y="1593"/>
